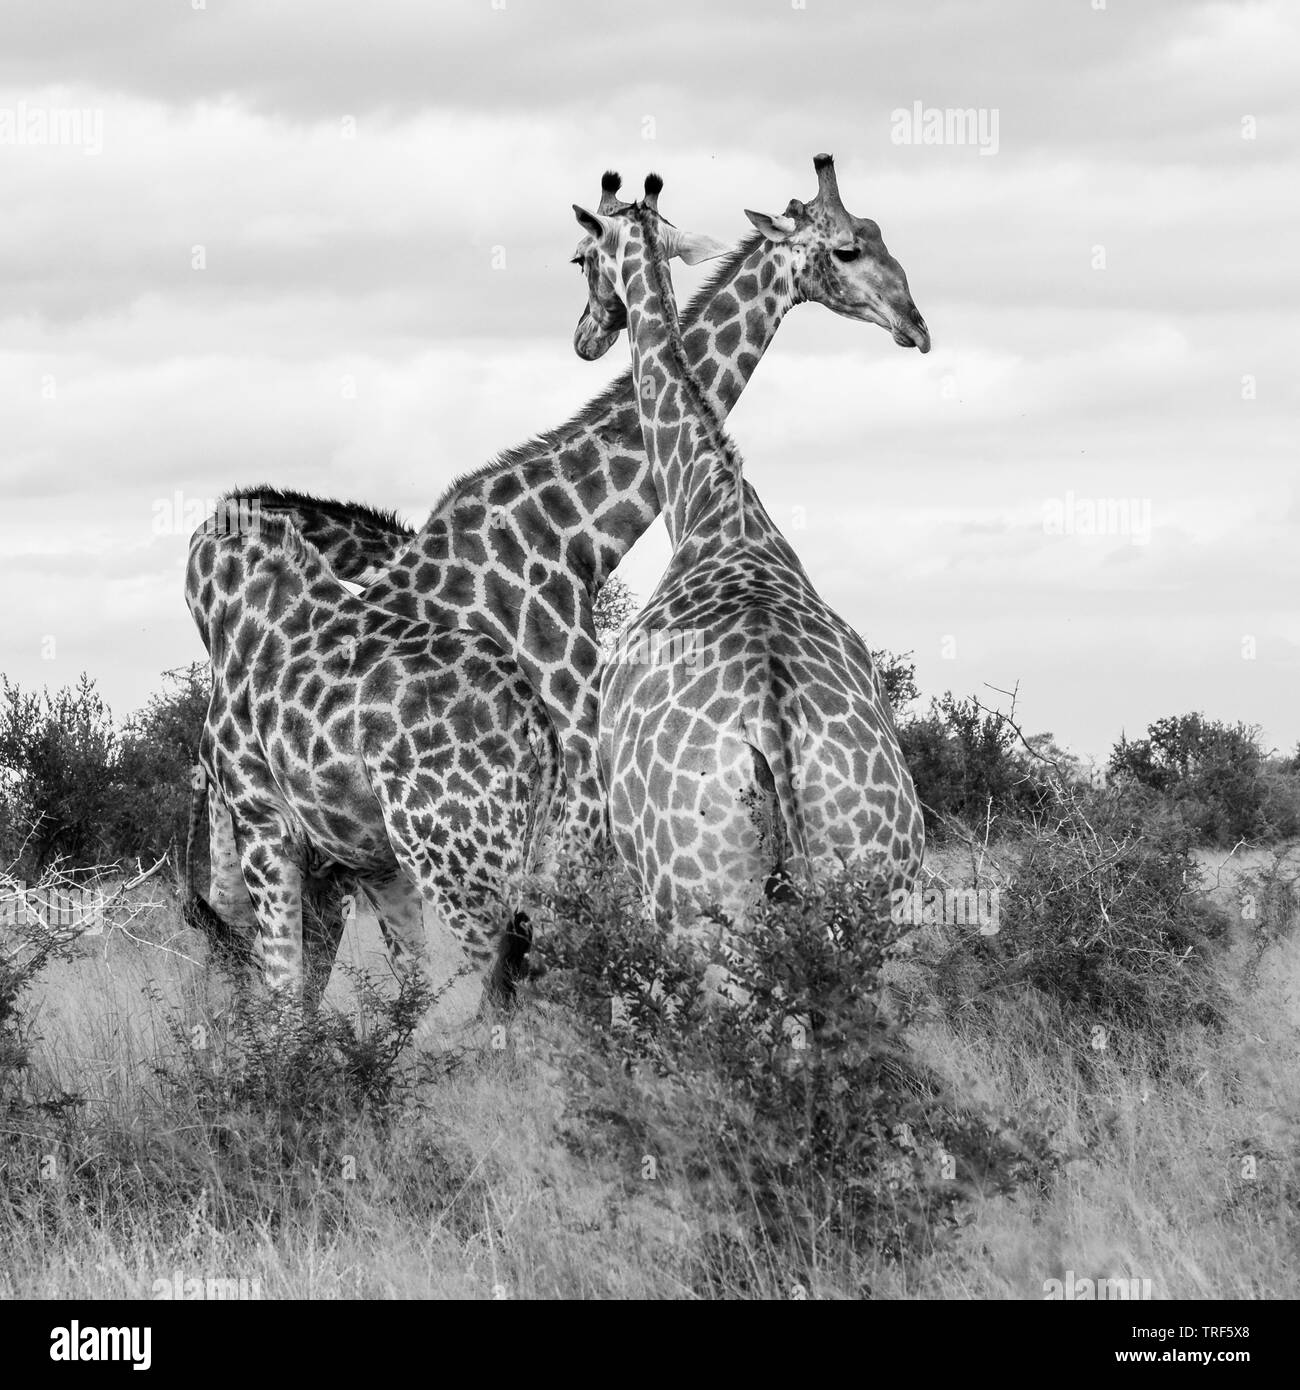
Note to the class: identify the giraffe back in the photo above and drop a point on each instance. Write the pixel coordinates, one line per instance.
(736, 686)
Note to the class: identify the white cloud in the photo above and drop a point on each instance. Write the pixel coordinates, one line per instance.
(920, 483)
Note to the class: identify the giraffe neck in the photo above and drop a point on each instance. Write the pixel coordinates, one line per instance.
(697, 470)
(518, 548)
(612, 501)
(598, 457)
(730, 322)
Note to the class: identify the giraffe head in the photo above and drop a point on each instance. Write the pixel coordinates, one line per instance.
(606, 236)
(839, 260)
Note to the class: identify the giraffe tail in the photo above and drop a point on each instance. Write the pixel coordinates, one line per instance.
(778, 735)
(546, 800)
(544, 820)
(198, 804)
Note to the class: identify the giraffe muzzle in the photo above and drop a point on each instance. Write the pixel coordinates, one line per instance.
(593, 338)
(910, 330)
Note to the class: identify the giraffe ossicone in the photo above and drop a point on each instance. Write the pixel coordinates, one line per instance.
(772, 752)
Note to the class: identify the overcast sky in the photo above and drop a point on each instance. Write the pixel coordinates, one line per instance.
(381, 193)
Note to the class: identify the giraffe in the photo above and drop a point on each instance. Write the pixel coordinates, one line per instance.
(743, 733)
(519, 547)
(342, 734)
(362, 542)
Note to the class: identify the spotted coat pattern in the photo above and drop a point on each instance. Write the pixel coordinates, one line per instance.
(340, 734)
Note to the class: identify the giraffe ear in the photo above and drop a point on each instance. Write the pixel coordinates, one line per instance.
(776, 228)
(589, 222)
(693, 247)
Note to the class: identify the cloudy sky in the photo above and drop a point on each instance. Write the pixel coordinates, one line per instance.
(324, 244)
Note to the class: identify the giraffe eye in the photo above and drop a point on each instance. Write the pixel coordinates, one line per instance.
(846, 253)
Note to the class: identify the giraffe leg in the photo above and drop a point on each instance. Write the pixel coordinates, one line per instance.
(495, 939)
(274, 882)
(400, 910)
(462, 889)
(227, 892)
(469, 907)
(464, 886)
(322, 930)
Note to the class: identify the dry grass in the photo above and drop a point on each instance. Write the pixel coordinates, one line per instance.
(494, 1181)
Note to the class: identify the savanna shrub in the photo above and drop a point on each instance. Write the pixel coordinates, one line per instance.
(967, 763)
(614, 606)
(896, 676)
(250, 1115)
(1103, 920)
(1217, 775)
(76, 788)
(801, 1099)
(56, 775)
(629, 981)
(287, 1085)
(151, 773)
(1268, 904)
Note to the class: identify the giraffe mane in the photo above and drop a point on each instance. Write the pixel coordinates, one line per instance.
(384, 518)
(619, 391)
(721, 442)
